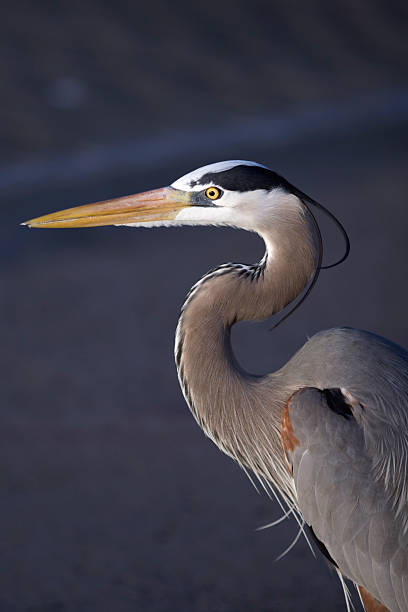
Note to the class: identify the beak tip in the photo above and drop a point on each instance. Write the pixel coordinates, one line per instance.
(155, 205)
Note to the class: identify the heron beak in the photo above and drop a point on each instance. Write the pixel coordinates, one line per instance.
(157, 205)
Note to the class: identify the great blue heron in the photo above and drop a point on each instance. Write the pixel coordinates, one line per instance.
(328, 430)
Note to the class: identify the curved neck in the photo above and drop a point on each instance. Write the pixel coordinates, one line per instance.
(233, 407)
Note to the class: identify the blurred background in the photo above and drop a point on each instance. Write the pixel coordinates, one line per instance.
(112, 498)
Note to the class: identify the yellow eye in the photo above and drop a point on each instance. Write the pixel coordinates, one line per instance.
(213, 193)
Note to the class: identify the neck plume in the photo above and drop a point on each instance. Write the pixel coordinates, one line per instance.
(233, 407)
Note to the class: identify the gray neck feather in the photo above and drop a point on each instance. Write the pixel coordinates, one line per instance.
(233, 407)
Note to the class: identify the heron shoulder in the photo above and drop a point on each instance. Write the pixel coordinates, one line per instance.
(357, 355)
(373, 372)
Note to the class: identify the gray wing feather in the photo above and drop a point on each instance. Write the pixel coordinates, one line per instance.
(398, 571)
(347, 507)
(375, 372)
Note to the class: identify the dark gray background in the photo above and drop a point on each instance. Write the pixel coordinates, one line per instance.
(112, 498)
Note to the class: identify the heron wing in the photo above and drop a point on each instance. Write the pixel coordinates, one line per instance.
(340, 499)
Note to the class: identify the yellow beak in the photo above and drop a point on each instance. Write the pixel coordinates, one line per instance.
(156, 205)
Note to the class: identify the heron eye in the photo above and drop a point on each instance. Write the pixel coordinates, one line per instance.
(213, 193)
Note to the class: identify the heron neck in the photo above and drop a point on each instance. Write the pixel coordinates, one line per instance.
(233, 407)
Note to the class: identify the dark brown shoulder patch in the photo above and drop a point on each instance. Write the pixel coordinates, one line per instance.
(288, 439)
(371, 604)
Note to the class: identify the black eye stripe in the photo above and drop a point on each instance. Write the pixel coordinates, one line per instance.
(242, 178)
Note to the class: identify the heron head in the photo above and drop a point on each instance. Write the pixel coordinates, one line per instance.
(234, 193)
